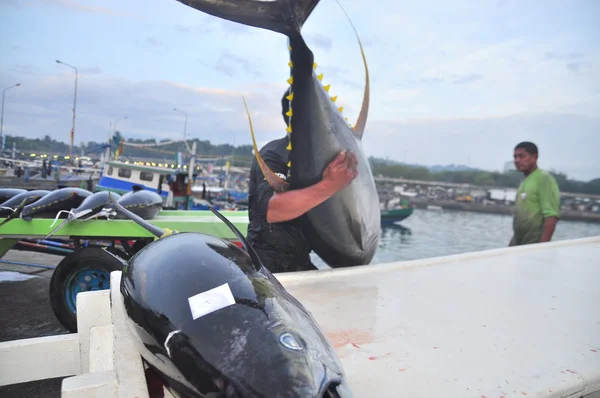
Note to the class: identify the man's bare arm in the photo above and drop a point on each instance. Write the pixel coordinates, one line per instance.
(289, 205)
(548, 229)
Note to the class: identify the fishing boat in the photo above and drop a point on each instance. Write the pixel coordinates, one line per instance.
(395, 215)
(395, 210)
(171, 182)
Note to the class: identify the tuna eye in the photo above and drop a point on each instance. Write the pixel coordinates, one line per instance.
(289, 341)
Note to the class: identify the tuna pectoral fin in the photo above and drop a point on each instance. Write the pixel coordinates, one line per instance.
(274, 181)
(276, 15)
(240, 236)
(359, 128)
(154, 230)
(15, 213)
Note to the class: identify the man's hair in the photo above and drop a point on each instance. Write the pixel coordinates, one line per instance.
(285, 106)
(529, 147)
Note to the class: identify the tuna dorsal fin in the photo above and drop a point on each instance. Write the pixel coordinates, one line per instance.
(359, 128)
(274, 181)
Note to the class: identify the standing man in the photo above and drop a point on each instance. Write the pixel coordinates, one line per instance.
(273, 230)
(537, 205)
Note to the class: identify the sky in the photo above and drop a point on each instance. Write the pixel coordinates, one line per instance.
(458, 82)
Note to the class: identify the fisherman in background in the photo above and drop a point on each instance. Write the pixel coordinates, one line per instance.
(273, 230)
(537, 205)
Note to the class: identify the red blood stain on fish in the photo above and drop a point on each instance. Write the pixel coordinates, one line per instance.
(355, 345)
(524, 393)
(592, 350)
(402, 369)
(372, 358)
(570, 371)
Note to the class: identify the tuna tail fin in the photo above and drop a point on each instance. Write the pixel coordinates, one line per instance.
(283, 16)
(359, 128)
(240, 236)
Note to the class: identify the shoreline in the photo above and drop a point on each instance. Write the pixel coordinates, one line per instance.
(565, 214)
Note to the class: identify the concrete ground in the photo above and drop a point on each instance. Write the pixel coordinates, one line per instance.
(25, 312)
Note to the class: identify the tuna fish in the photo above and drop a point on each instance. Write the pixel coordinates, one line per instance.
(7, 193)
(146, 204)
(94, 206)
(344, 230)
(212, 321)
(13, 207)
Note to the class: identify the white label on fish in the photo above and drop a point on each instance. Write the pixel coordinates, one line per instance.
(210, 301)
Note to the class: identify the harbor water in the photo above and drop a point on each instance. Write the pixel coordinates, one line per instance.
(434, 233)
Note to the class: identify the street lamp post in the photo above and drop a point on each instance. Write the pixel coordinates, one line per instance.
(184, 129)
(2, 117)
(185, 123)
(74, 106)
(118, 120)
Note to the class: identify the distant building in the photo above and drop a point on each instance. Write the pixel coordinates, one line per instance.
(509, 166)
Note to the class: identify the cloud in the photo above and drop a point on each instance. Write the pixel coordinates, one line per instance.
(470, 78)
(231, 64)
(319, 40)
(214, 114)
(567, 142)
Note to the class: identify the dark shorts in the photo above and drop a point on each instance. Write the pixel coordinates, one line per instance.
(277, 262)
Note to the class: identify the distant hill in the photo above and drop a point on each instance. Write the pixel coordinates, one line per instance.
(243, 157)
(434, 169)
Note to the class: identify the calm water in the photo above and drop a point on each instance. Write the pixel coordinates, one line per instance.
(432, 233)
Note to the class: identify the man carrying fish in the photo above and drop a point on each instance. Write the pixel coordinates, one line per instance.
(273, 230)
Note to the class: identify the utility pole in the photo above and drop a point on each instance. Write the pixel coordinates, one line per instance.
(2, 117)
(74, 106)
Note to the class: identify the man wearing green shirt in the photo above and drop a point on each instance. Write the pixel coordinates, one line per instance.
(537, 205)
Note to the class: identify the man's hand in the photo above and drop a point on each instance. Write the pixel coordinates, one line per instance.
(341, 171)
(291, 204)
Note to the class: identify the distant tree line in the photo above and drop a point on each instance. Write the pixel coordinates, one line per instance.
(242, 156)
(476, 177)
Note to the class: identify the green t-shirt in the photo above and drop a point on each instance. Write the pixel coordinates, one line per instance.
(538, 197)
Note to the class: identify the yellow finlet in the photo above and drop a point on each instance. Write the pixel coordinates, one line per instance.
(290, 97)
(327, 87)
(341, 109)
(289, 147)
(167, 232)
(289, 164)
(290, 48)
(289, 113)
(291, 64)
(334, 98)
(314, 65)
(320, 77)
(289, 128)
(290, 80)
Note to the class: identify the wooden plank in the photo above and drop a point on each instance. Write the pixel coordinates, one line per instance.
(39, 358)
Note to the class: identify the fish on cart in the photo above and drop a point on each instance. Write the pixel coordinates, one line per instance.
(13, 207)
(146, 204)
(97, 205)
(7, 193)
(211, 320)
(51, 204)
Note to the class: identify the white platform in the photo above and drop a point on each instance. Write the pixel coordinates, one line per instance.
(518, 322)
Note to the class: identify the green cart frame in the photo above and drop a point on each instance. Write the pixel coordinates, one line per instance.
(96, 242)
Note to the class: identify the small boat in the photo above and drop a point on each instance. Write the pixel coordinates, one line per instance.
(395, 210)
(397, 214)
(172, 184)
